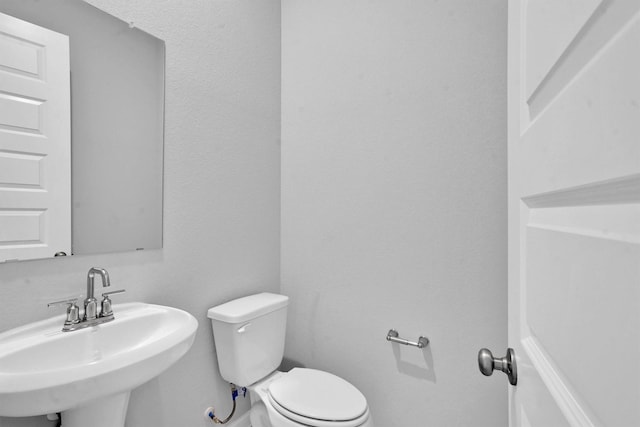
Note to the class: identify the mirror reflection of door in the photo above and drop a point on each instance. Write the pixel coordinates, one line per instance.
(35, 141)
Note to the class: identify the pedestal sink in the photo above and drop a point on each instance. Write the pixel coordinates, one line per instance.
(88, 374)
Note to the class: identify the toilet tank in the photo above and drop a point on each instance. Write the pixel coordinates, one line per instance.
(249, 336)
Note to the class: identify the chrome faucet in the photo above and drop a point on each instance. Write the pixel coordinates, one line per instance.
(91, 317)
(90, 303)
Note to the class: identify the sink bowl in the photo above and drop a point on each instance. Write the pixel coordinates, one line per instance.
(88, 374)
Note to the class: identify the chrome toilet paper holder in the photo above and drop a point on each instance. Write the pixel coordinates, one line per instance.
(393, 336)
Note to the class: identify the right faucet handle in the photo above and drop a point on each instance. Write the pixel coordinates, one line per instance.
(106, 303)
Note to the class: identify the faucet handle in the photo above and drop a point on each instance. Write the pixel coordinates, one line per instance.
(119, 291)
(73, 312)
(106, 303)
(70, 301)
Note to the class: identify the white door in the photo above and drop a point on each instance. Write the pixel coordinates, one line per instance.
(574, 212)
(35, 141)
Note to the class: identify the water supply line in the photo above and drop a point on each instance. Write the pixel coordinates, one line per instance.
(234, 394)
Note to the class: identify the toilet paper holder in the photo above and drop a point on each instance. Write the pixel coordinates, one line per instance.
(393, 336)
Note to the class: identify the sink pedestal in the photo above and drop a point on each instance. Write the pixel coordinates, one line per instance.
(108, 411)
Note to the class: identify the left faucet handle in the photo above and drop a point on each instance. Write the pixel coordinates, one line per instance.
(73, 311)
(69, 301)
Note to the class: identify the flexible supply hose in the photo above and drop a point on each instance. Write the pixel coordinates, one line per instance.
(218, 420)
(234, 395)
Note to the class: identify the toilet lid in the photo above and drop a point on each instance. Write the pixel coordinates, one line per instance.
(318, 395)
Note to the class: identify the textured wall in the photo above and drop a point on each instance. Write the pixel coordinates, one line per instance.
(394, 200)
(222, 196)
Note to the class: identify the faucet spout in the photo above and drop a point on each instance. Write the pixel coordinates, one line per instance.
(90, 303)
(90, 277)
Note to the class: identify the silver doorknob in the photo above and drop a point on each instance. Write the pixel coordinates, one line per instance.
(487, 364)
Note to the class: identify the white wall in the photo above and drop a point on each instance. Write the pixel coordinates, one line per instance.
(394, 200)
(222, 196)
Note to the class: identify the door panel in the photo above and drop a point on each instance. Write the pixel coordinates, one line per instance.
(589, 133)
(593, 38)
(574, 285)
(551, 26)
(574, 212)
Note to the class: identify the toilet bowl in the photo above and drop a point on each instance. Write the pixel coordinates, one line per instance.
(307, 397)
(249, 337)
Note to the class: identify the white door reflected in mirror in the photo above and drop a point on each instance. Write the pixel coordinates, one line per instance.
(35, 141)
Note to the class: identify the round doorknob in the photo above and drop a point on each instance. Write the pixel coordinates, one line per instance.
(487, 364)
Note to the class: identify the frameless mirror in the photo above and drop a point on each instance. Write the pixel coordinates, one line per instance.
(117, 131)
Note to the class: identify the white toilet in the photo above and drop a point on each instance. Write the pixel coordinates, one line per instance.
(249, 334)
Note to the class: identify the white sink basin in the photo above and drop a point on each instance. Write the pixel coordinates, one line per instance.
(89, 372)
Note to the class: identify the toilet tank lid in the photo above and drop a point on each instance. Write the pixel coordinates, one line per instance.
(247, 308)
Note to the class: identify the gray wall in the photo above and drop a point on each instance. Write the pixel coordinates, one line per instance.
(394, 200)
(222, 196)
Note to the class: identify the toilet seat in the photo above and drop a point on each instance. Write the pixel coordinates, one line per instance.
(317, 398)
